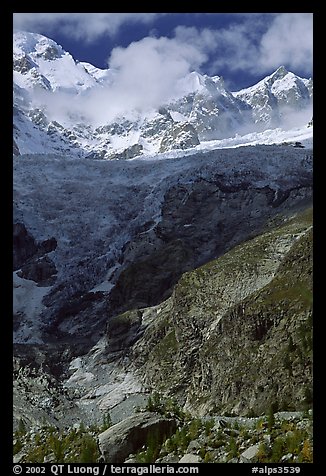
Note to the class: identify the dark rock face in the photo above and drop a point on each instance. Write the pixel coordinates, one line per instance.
(48, 245)
(131, 434)
(198, 223)
(149, 280)
(42, 271)
(32, 257)
(24, 245)
(51, 53)
(23, 64)
(122, 331)
(79, 320)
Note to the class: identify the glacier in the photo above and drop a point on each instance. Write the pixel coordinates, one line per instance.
(94, 207)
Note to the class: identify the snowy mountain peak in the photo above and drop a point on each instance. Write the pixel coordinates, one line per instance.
(195, 82)
(62, 104)
(26, 43)
(281, 76)
(40, 63)
(280, 73)
(273, 97)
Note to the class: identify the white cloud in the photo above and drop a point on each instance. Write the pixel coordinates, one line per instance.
(295, 118)
(262, 44)
(204, 39)
(148, 70)
(256, 42)
(147, 73)
(144, 76)
(85, 26)
(288, 41)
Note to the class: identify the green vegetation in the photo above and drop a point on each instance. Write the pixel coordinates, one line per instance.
(21, 427)
(89, 451)
(107, 422)
(50, 444)
(271, 417)
(295, 444)
(276, 438)
(165, 406)
(232, 448)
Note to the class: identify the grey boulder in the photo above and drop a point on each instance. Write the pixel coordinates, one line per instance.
(128, 436)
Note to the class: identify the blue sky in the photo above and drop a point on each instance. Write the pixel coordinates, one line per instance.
(241, 47)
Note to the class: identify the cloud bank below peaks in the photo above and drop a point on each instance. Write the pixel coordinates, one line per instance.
(144, 75)
(148, 73)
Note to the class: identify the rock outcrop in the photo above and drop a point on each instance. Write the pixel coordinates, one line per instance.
(41, 270)
(180, 135)
(200, 221)
(131, 434)
(250, 454)
(32, 258)
(24, 245)
(190, 458)
(128, 153)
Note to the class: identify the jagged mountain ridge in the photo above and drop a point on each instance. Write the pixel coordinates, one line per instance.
(280, 90)
(204, 109)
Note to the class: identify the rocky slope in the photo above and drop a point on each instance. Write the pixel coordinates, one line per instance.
(232, 330)
(236, 335)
